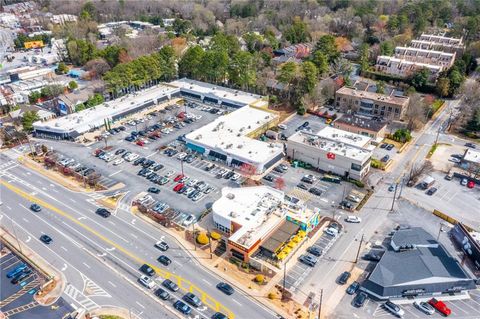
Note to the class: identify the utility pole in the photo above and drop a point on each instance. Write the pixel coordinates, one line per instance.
(394, 196)
(193, 236)
(401, 186)
(320, 304)
(359, 247)
(284, 278)
(210, 244)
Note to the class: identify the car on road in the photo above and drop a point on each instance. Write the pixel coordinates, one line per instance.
(103, 212)
(394, 308)
(432, 191)
(21, 276)
(424, 307)
(225, 288)
(192, 299)
(440, 306)
(36, 208)
(343, 278)
(315, 191)
(146, 281)
(153, 190)
(308, 260)
(360, 299)
(170, 285)
(315, 250)
(353, 219)
(147, 270)
(164, 260)
(471, 145)
(463, 182)
(219, 315)
(46, 239)
(163, 246)
(182, 307)
(162, 294)
(353, 288)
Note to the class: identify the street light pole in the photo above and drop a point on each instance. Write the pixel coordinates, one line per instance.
(359, 247)
(284, 278)
(320, 304)
(394, 196)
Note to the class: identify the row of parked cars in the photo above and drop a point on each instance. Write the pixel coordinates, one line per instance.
(19, 273)
(206, 108)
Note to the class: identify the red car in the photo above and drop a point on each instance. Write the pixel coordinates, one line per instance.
(178, 177)
(178, 187)
(440, 306)
(140, 143)
(471, 184)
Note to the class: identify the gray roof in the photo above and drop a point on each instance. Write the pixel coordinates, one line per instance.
(362, 122)
(416, 236)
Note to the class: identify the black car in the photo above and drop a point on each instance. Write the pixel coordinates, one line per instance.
(192, 299)
(219, 315)
(307, 179)
(315, 250)
(342, 280)
(471, 145)
(432, 191)
(302, 186)
(360, 299)
(103, 212)
(315, 191)
(182, 307)
(130, 138)
(385, 158)
(353, 288)
(153, 190)
(46, 239)
(372, 257)
(36, 208)
(147, 270)
(164, 260)
(226, 288)
(24, 274)
(305, 124)
(119, 151)
(157, 167)
(230, 174)
(269, 178)
(170, 285)
(390, 147)
(384, 145)
(162, 294)
(139, 161)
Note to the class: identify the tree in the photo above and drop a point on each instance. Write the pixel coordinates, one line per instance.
(97, 67)
(286, 74)
(51, 91)
(420, 78)
(297, 32)
(62, 68)
(168, 62)
(364, 57)
(387, 48)
(309, 75)
(326, 45)
(342, 67)
(381, 87)
(416, 114)
(443, 86)
(28, 118)
(242, 70)
(80, 51)
(456, 80)
(402, 135)
(253, 41)
(111, 54)
(189, 64)
(88, 11)
(321, 62)
(72, 85)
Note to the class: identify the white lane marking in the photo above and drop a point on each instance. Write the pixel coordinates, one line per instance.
(81, 217)
(139, 304)
(64, 248)
(133, 221)
(28, 239)
(24, 219)
(86, 265)
(72, 200)
(134, 236)
(112, 284)
(152, 154)
(9, 208)
(177, 263)
(207, 282)
(65, 266)
(115, 173)
(236, 302)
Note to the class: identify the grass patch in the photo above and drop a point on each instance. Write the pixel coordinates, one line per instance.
(432, 150)
(375, 163)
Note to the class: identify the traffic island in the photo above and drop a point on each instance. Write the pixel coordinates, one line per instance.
(110, 313)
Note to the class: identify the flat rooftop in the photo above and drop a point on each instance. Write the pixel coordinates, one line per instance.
(405, 62)
(472, 156)
(219, 92)
(90, 118)
(392, 99)
(257, 210)
(336, 141)
(432, 52)
(361, 122)
(229, 134)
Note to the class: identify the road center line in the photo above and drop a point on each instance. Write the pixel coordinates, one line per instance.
(86, 265)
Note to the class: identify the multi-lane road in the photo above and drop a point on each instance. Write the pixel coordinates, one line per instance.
(101, 257)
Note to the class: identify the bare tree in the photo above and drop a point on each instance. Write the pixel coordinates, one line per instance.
(97, 67)
(416, 115)
(416, 171)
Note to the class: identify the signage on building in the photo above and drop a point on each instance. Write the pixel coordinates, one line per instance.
(330, 155)
(456, 289)
(413, 292)
(33, 44)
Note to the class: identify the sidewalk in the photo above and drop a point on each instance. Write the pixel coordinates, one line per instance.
(52, 290)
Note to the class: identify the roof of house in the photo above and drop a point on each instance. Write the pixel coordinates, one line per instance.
(361, 122)
(392, 99)
(472, 156)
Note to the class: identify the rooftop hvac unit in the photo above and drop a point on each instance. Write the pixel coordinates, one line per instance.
(233, 214)
(238, 135)
(230, 196)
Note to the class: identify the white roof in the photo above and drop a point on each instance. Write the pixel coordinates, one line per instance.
(83, 121)
(257, 210)
(219, 93)
(472, 156)
(228, 134)
(336, 141)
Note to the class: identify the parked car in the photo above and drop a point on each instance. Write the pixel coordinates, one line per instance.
(394, 308)
(162, 294)
(310, 179)
(147, 270)
(170, 285)
(390, 147)
(353, 219)
(178, 187)
(308, 260)
(225, 288)
(440, 306)
(424, 307)
(17, 270)
(471, 145)
(331, 231)
(372, 256)
(189, 220)
(432, 191)
(391, 188)
(21, 276)
(219, 315)
(269, 178)
(282, 126)
(315, 191)
(146, 281)
(354, 198)
(302, 186)
(46, 239)
(36, 208)
(353, 288)
(192, 299)
(463, 182)
(315, 250)
(343, 278)
(385, 158)
(182, 307)
(178, 177)
(384, 145)
(153, 190)
(164, 260)
(163, 246)
(360, 299)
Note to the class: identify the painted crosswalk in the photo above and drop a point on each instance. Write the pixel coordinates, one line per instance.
(80, 298)
(300, 194)
(8, 165)
(90, 288)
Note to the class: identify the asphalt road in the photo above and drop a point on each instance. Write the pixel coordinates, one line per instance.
(87, 243)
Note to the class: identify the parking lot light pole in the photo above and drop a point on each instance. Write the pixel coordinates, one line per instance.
(320, 304)
(193, 235)
(284, 278)
(440, 230)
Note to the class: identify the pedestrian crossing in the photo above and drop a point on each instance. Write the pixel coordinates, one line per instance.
(124, 207)
(80, 298)
(92, 289)
(8, 165)
(301, 194)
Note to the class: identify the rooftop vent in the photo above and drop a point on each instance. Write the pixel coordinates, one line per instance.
(230, 196)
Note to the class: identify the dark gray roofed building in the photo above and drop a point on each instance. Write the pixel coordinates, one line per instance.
(416, 265)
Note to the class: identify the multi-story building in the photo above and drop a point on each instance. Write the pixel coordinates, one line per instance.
(440, 43)
(362, 125)
(368, 103)
(333, 151)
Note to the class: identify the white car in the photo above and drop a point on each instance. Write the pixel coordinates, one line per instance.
(181, 156)
(331, 231)
(235, 177)
(146, 281)
(189, 220)
(353, 219)
(109, 158)
(282, 126)
(353, 198)
(394, 308)
(454, 160)
(198, 197)
(464, 182)
(118, 161)
(424, 307)
(192, 182)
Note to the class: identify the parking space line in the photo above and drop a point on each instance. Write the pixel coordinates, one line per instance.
(451, 303)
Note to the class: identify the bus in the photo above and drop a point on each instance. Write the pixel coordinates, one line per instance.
(331, 178)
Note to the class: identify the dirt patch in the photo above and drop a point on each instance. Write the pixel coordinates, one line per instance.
(292, 308)
(440, 158)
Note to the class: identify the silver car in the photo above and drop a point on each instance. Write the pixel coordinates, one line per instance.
(424, 307)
